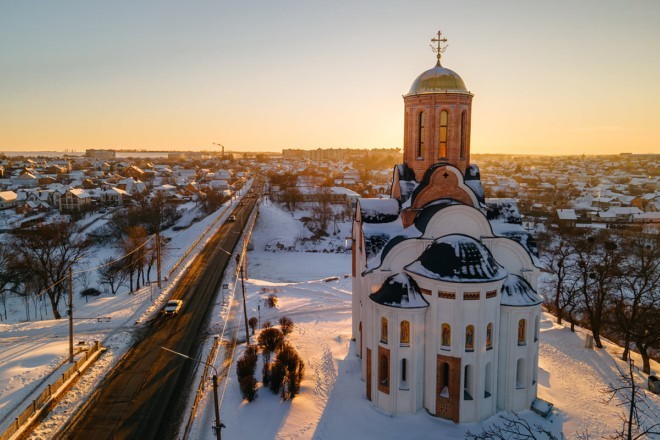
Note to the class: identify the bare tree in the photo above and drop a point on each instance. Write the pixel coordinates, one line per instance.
(47, 252)
(135, 251)
(639, 419)
(597, 269)
(557, 261)
(111, 274)
(637, 307)
(512, 426)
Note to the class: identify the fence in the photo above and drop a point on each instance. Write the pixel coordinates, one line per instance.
(48, 397)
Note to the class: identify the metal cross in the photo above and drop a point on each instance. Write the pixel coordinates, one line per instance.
(438, 50)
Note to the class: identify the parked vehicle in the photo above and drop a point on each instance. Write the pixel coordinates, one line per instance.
(231, 218)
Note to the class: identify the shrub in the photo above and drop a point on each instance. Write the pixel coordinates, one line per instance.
(247, 363)
(253, 322)
(287, 372)
(248, 385)
(245, 368)
(266, 324)
(286, 324)
(271, 301)
(265, 375)
(277, 374)
(270, 339)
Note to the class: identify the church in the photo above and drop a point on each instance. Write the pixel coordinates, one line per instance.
(445, 309)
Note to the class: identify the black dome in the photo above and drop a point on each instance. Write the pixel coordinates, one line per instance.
(457, 258)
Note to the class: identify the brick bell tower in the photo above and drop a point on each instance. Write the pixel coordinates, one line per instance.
(438, 110)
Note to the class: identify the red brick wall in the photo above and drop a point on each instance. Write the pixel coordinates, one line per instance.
(432, 105)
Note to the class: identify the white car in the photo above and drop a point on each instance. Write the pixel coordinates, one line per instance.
(172, 307)
(232, 218)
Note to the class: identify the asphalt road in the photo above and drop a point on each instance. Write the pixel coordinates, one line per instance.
(145, 396)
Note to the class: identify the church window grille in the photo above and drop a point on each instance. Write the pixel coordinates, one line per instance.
(383, 330)
(420, 134)
(522, 327)
(446, 336)
(447, 295)
(491, 294)
(405, 333)
(471, 296)
(469, 338)
(444, 121)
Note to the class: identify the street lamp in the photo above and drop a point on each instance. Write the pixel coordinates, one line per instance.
(217, 427)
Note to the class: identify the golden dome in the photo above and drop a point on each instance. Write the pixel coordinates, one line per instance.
(438, 80)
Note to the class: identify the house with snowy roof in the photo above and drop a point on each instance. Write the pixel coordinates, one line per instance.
(445, 309)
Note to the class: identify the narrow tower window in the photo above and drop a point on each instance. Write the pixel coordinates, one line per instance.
(489, 336)
(444, 120)
(463, 133)
(420, 134)
(522, 328)
(468, 382)
(488, 389)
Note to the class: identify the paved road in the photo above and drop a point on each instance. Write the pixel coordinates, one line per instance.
(145, 396)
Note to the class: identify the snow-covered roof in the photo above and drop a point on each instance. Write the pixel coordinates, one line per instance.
(566, 214)
(517, 292)
(457, 258)
(399, 290)
(378, 210)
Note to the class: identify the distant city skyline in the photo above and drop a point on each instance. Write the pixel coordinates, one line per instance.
(551, 78)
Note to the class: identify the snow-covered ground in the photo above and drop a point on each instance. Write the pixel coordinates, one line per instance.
(32, 352)
(332, 401)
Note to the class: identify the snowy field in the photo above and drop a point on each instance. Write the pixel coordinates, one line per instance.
(332, 402)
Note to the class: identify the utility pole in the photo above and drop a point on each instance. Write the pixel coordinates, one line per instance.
(70, 314)
(247, 334)
(218, 425)
(158, 263)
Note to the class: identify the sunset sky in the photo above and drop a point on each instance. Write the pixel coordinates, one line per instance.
(549, 77)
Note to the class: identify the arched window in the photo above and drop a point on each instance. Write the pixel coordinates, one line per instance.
(536, 328)
(468, 382)
(403, 370)
(446, 335)
(488, 390)
(383, 373)
(444, 121)
(443, 380)
(489, 336)
(469, 338)
(520, 374)
(463, 134)
(405, 333)
(535, 370)
(383, 330)
(420, 134)
(522, 327)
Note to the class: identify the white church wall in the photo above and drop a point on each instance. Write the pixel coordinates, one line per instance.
(517, 361)
(458, 219)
